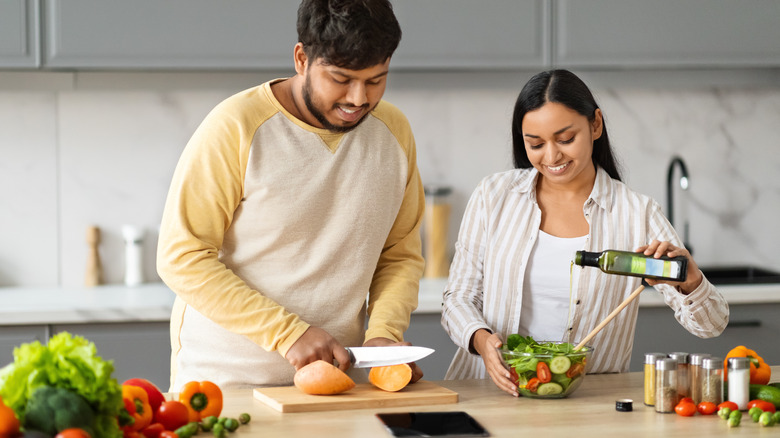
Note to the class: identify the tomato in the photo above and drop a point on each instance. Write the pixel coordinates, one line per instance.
(728, 404)
(73, 432)
(543, 372)
(533, 384)
(155, 395)
(513, 375)
(168, 434)
(762, 404)
(575, 370)
(172, 415)
(686, 400)
(153, 430)
(706, 408)
(685, 408)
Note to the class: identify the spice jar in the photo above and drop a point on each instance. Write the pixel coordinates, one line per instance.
(650, 360)
(436, 226)
(712, 380)
(683, 381)
(739, 381)
(695, 375)
(665, 385)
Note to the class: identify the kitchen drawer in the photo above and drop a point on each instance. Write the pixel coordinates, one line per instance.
(13, 336)
(138, 349)
(752, 325)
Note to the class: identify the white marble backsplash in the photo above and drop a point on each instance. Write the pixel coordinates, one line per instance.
(100, 148)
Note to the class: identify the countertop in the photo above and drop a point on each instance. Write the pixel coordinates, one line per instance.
(153, 302)
(590, 411)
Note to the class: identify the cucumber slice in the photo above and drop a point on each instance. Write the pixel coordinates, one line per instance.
(560, 364)
(550, 388)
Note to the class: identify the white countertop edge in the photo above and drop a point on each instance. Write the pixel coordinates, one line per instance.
(431, 290)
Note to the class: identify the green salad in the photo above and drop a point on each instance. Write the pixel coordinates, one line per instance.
(547, 369)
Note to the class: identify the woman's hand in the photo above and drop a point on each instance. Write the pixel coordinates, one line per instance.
(486, 344)
(658, 249)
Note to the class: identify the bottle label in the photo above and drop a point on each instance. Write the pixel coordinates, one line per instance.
(656, 267)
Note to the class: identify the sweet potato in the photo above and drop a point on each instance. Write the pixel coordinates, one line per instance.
(391, 378)
(322, 378)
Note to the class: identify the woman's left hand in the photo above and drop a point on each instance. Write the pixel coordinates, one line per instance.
(657, 249)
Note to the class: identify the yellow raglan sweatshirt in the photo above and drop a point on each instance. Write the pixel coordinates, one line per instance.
(272, 225)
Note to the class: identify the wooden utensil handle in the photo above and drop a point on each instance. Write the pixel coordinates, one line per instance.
(617, 310)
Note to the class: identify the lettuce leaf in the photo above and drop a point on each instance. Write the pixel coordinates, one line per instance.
(69, 362)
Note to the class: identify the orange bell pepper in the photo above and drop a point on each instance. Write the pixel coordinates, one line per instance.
(759, 370)
(137, 413)
(9, 424)
(202, 399)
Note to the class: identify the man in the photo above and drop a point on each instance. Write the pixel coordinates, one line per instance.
(292, 202)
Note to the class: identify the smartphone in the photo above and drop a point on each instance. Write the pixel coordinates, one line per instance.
(442, 424)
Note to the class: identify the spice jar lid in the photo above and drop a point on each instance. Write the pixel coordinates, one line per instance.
(624, 405)
(739, 363)
(652, 358)
(666, 364)
(712, 363)
(681, 357)
(697, 358)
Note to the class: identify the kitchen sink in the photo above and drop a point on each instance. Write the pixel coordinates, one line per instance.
(739, 275)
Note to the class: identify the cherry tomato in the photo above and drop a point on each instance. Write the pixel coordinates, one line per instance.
(172, 415)
(685, 408)
(707, 408)
(763, 405)
(168, 434)
(543, 372)
(513, 375)
(153, 430)
(728, 404)
(73, 432)
(533, 384)
(686, 400)
(575, 370)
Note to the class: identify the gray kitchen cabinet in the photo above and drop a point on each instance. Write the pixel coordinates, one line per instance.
(666, 33)
(138, 349)
(12, 336)
(472, 35)
(174, 34)
(19, 34)
(752, 325)
(425, 330)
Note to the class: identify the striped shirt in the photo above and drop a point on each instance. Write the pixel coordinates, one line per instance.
(498, 231)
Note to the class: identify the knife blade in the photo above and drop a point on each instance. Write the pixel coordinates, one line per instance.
(367, 357)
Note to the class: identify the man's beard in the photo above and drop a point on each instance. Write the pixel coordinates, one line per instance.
(307, 99)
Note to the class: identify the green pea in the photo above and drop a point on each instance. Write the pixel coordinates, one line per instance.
(219, 431)
(208, 422)
(734, 421)
(724, 413)
(231, 424)
(244, 418)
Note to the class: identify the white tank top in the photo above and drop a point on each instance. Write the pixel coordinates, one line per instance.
(546, 287)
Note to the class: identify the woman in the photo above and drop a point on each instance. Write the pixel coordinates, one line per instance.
(513, 271)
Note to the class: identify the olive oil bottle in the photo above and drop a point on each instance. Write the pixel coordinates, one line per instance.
(635, 264)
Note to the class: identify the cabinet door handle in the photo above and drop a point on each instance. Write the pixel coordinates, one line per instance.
(746, 323)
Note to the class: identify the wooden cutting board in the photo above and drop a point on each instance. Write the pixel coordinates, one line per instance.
(362, 396)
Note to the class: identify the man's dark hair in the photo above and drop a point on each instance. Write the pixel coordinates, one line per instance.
(352, 34)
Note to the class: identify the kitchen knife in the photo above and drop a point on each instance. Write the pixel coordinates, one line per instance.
(367, 357)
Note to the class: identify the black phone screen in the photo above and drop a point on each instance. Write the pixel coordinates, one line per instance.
(443, 424)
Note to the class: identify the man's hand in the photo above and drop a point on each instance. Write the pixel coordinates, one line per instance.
(317, 344)
(383, 342)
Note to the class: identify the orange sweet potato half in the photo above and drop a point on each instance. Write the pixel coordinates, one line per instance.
(391, 378)
(322, 378)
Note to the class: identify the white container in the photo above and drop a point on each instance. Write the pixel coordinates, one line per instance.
(739, 381)
(134, 239)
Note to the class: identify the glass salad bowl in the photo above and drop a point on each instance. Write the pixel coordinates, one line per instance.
(544, 369)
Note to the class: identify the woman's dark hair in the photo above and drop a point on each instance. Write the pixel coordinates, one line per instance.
(352, 34)
(564, 87)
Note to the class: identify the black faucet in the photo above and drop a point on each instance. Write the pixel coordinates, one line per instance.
(683, 181)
